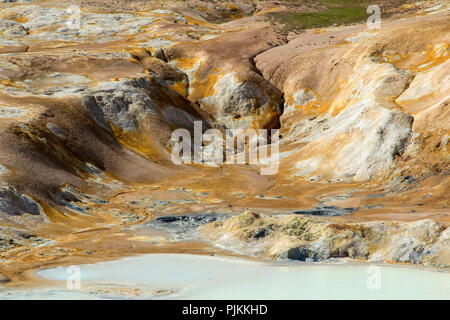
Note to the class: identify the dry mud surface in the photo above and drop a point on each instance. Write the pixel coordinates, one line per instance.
(86, 116)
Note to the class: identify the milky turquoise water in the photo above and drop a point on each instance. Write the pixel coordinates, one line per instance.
(211, 277)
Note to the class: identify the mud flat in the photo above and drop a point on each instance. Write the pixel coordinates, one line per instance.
(186, 276)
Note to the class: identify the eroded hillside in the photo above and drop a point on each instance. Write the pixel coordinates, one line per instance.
(87, 112)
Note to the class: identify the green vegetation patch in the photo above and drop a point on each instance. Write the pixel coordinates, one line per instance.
(302, 227)
(247, 218)
(306, 20)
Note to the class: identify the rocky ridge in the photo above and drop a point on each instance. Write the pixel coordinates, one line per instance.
(314, 239)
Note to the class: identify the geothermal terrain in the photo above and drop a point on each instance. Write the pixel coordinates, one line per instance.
(87, 109)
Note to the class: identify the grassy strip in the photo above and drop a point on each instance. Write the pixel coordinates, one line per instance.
(293, 21)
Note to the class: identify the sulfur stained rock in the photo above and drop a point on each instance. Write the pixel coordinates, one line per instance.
(361, 140)
(318, 239)
(354, 108)
(407, 250)
(12, 28)
(126, 104)
(243, 103)
(224, 81)
(374, 137)
(121, 104)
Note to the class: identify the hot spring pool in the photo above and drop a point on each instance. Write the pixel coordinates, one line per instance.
(212, 277)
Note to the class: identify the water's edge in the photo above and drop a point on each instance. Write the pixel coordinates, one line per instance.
(188, 276)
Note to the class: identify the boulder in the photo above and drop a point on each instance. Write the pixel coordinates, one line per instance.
(16, 203)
